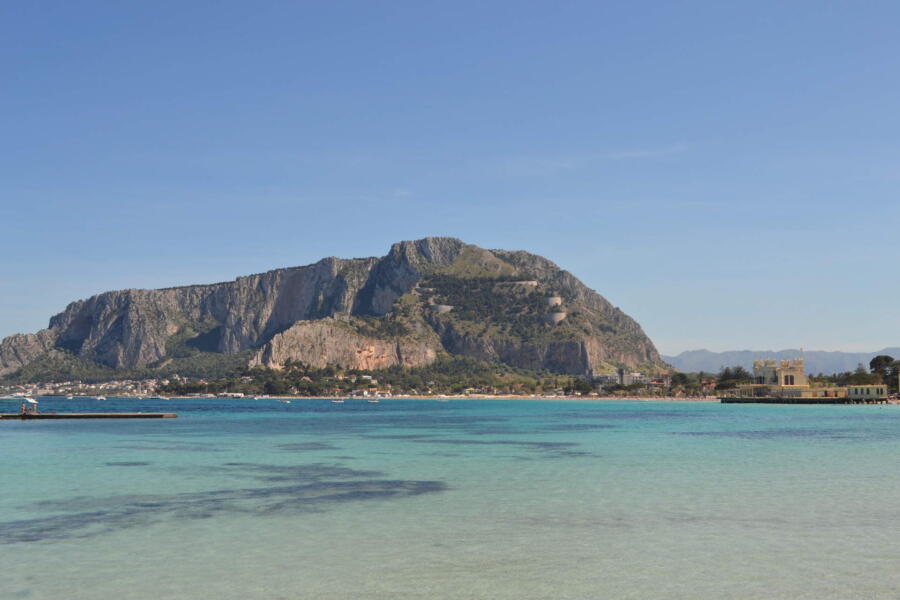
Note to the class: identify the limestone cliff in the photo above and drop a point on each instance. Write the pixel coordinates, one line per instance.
(18, 350)
(439, 294)
(334, 342)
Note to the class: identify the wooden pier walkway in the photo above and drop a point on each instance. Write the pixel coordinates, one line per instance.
(107, 415)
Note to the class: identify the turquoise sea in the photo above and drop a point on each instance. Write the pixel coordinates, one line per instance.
(246, 499)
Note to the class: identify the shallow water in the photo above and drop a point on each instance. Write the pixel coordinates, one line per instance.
(460, 499)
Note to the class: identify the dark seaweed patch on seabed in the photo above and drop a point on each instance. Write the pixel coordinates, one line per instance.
(402, 436)
(312, 488)
(430, 420)
(306, 446)
(562, 427)
(520, 443)
(629, 415)
(774, 434)
(554, 449)
(348, 423)
(171, 446)
(317, 472)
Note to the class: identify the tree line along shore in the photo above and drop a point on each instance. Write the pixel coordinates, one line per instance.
(449, 376)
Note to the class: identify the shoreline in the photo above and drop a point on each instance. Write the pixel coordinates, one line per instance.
(645, 399)
(444, 397)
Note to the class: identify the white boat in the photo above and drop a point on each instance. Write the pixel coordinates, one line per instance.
(374, 401)
(337, 401)
(100, 398)
(70, 397)
(285, 401)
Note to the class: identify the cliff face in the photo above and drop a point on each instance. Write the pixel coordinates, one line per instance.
(333, 342)
(18, 350)
(302, 313)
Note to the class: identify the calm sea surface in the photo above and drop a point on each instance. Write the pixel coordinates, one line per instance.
(241, 499)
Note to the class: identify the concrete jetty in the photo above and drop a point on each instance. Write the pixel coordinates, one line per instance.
(107, 415)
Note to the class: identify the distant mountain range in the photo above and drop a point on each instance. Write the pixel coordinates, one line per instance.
(817, 361)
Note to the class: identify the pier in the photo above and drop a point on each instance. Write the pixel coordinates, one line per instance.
(106, 415)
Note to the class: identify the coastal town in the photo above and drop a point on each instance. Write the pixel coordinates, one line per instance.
(771, 381)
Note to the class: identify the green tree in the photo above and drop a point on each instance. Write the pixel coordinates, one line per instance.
(680, 379)
(881, 365)
(731, 377)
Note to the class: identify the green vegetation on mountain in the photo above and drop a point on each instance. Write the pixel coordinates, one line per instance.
(62, 365)
(504, 307)
(386, 327)
(448, 374)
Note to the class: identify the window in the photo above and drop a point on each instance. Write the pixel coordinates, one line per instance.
(788, 380)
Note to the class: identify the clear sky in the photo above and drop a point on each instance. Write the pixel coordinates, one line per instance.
(725, 172)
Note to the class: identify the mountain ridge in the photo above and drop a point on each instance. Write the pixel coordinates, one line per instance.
(340, 308)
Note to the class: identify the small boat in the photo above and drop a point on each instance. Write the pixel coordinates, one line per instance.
(285, 401)
(100, 398)
(70, 397)
(374, 401)
(337, 401)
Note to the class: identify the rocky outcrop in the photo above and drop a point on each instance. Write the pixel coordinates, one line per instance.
(301, 313)
(18, 350)
(334, 342)
(579, 355)
(566, 356)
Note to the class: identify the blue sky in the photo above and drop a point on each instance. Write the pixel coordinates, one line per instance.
(726, 173)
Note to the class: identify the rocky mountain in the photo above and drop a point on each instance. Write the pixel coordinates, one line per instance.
(426, 297)
(816, 361)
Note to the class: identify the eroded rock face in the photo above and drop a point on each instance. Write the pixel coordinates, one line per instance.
(332, 342)
(18, 350)
(296, 314)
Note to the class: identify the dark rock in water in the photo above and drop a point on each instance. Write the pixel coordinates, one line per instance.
(365, 313)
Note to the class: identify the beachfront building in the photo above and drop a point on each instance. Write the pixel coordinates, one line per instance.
(786, 382)
(867, 392)
(785, 373)
(784, 379)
